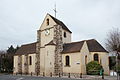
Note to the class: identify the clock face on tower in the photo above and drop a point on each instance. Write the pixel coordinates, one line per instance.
(47, 32)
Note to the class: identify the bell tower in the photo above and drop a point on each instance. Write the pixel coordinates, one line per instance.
(50, 41)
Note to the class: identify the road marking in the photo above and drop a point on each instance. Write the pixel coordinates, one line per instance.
(19, 79)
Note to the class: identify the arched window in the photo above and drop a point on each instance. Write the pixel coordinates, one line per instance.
(67, 60)
(96, 58)
(86, 59)
(47, 22)
(64, 34)
(30, 60)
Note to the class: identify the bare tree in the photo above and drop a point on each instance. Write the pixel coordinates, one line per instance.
(2, 52)
(113, 40)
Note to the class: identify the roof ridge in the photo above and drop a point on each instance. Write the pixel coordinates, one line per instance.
(91, 39)
(79, 41)
(74, 42)
(29, 44)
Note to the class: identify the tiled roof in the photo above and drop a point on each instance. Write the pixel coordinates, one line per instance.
(27, 49)
(93, 46)
(60, 23)
(72, 47)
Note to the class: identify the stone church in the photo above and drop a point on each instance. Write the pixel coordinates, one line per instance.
(53, 52)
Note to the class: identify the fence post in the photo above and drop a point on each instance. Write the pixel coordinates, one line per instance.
(68, 75)
(80, 75)
(31, 73)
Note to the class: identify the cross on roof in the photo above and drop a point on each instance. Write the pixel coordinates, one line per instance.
(55, 10)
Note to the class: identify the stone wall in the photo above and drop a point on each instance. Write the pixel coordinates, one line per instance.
(58, 49)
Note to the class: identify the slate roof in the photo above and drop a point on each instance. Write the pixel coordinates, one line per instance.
(27, 49)
(93, 46)
(60, 23)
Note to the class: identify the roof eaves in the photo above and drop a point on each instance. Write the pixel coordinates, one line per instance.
(69, 52)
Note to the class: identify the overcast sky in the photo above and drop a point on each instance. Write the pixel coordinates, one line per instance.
(87, 19)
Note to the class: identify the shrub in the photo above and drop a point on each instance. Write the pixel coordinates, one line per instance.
(112, 62)
(93, 68)
(116, 67)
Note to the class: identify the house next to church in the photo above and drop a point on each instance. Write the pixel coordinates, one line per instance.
(53, 52)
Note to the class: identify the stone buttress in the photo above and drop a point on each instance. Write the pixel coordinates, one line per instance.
(37, 64)
(58, 49)
(26, 68)
(19, 64)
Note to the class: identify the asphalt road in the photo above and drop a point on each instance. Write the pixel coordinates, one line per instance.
(18, 77)
(24, 77)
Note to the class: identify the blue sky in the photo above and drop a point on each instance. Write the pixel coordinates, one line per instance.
(87, 19)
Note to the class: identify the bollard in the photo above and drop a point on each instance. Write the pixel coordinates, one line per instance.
(25, 73)
(68, 75)
(59, 75)
(37, 73)
(80, 75)
(43, 74)
(103, 76)
(31, 73)
(21, 73)
(51, 74)
(62, 74)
